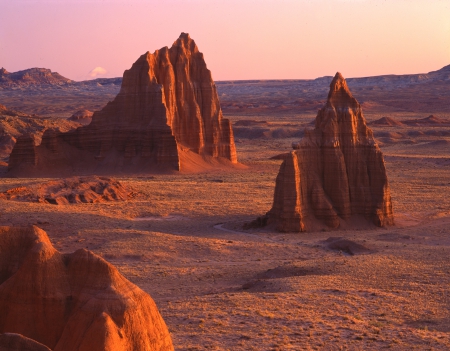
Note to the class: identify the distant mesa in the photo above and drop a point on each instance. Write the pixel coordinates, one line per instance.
(336, 176)
(71, 302)
(167, 117)
(31, 77)
(430, 120)
(82, 116)
(386, 121)
(72, 190)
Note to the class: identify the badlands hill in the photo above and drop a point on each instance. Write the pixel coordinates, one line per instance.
(74, 302)
(14, 124)
(336, 173)
(166, 117)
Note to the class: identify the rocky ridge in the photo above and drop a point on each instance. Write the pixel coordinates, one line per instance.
(31, 77)
(336, 174)
(72, 302)
(167, 107)
(14, 124)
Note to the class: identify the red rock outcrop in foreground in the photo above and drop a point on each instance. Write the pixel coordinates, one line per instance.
(72, 302)
(336, 175)
(168, 105)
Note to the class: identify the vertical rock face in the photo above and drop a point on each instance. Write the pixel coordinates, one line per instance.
(336, 173)
(71, 302)
(167, 103)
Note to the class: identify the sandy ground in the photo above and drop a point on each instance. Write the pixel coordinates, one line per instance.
(219, 287)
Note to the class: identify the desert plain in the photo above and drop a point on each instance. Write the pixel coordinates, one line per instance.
(180, 237)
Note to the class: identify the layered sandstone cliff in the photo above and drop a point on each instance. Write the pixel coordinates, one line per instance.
(167, 105)
(70, 302)
(336, 174)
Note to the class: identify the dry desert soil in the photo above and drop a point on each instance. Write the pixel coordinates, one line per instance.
(220, 287)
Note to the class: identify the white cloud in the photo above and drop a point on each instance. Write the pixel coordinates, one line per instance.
(97, 71)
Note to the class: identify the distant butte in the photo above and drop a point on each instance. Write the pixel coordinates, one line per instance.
(166, 117)
(336, 177)
(31, 77)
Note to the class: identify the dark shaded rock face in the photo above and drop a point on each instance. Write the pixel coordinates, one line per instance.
(70, 302)
(17, 342)
(336, 173)
(167, 103)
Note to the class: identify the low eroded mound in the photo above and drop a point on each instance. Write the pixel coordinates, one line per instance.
(71, 302)
(386, 121)
(82, 116)
(70, 191)
(348, 246)
(430, 120)
(14, 124)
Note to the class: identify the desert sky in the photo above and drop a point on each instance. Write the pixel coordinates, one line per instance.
(241, 39)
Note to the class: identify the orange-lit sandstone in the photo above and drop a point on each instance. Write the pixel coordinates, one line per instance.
(336, 173)
(167, 108)
(75, 301)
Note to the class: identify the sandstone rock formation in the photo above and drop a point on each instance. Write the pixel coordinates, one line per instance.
(337, 173)
(167, 106)
(70, 302)
(82, 116)
(14, 124)
(17, 342)
(72, 190)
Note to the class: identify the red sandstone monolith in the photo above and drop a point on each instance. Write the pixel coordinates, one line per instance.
(336, 175)
(167, 106)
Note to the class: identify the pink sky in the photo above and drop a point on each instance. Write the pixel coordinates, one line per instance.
(245, 39)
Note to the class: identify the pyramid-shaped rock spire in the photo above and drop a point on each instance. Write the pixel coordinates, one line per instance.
(167, 106)
(336, 174)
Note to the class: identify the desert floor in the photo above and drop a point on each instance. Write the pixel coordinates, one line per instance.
(220, 287)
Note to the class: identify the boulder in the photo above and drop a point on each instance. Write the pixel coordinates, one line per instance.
(335, 174)
(74, 301)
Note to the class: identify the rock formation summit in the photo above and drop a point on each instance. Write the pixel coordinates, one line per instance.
(166, 115)
(336, 175)
(71, 302)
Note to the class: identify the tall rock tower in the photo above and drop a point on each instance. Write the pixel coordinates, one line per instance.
(337, 172)
(168, 104)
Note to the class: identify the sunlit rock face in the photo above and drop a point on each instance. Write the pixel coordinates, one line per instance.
(336, 173)
(72, 301)
(167, 103)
